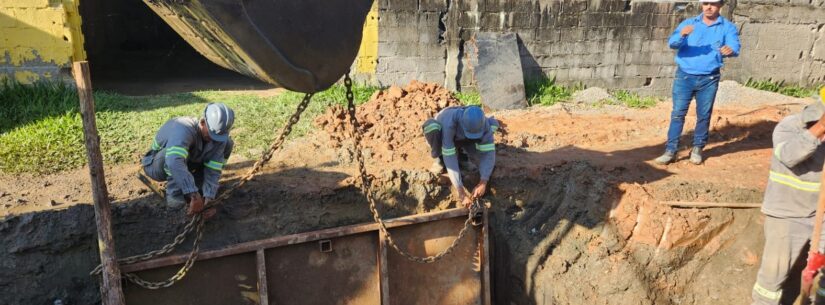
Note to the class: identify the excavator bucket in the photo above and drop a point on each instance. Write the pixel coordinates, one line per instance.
(301, 45)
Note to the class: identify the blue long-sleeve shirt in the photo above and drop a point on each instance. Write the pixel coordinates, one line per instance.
(698, 53)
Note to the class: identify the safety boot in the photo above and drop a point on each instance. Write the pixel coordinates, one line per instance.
(665, 158)
(437, 167)
(696, 155)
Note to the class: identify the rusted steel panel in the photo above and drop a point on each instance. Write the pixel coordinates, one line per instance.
(303, 274)
(453, 280)
(228, 280)
(346, 265)
(296, 239)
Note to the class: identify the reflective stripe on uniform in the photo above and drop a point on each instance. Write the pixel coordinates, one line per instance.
(794, 182)
(486, 147)
(493, 128)
(168, 172)
(448, 151)
(155, 145)
(820, 291)
(778, 150)
(432, 127)
(214, 165)
(768, 294)
(177, 150)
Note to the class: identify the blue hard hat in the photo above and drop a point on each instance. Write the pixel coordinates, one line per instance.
(472, 122)
(219, 119)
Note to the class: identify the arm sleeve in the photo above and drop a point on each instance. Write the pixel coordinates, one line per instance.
(792, 144)
(177, 152)
(676, 39)
(487, 149)
(450, 156)
(732, 40)
(213, 166)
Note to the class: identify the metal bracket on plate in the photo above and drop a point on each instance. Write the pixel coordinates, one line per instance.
(325, 245)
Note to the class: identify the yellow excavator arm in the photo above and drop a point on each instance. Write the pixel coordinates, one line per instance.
(301, 45)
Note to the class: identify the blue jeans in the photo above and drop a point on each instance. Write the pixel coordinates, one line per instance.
(685, 88)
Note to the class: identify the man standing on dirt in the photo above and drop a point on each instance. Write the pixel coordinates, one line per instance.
(462, 129)
(790, 197)
(189, 154)
(701, 43)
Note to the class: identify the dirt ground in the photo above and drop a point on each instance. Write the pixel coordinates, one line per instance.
(576, 210)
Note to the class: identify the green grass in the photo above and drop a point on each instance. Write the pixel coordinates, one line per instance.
(41, 129)
(633, 100)
(781, 88)
(546, 92)
(468, 98)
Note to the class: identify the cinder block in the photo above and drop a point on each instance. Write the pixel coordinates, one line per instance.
(403, 5)
(528, 34)
(613, 20)
(432, 5)
(567, 20)
(548, 35)
(604, 72)
(492, 21)
(547, 20)
(572, 35)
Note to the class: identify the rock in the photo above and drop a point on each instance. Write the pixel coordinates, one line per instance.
(52, 202)
(591, 96)
(395, 92)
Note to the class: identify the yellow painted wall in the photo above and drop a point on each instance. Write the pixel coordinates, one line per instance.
(38, 38)
(368, 53)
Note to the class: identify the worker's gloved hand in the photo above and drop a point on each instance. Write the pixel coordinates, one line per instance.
(463, 198)
(196, 204)
(480, 189)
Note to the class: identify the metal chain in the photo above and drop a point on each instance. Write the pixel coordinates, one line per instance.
(474, 208)
(198, 219)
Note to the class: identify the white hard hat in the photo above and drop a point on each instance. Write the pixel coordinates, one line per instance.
(219, 119)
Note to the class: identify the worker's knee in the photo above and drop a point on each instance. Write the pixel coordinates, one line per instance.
(763, 295)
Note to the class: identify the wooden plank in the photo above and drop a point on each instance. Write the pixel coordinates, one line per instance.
(485, 260)
(383, 272)
(734, 205)
(111, 291)
(296, 239)
(262, 285)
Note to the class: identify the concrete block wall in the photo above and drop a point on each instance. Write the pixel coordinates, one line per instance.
(39, 39)
(607, 43)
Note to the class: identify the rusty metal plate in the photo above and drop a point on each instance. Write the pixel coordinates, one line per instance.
(454, 280)
(342, 271)
(226, 280)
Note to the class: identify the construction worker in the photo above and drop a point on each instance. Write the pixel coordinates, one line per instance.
(791, 197)
(701, 43)
(189, 154)
(458, 130)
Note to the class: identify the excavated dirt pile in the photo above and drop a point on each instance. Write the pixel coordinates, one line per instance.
(391, 121)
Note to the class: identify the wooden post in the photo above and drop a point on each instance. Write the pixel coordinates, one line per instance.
(263, 286)
(110, 291)
(383, 269)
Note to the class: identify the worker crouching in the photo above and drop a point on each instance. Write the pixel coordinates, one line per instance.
(458, 130)
(189, 154)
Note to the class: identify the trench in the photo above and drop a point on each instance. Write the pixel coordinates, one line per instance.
(563, 226)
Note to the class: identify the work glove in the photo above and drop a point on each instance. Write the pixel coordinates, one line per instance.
(196, 204)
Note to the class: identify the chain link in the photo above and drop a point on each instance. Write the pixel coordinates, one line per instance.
(474, 208)
(198, 218)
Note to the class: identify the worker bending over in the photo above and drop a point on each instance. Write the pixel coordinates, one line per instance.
(458, 130)
(790, 197)
(189, 154)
